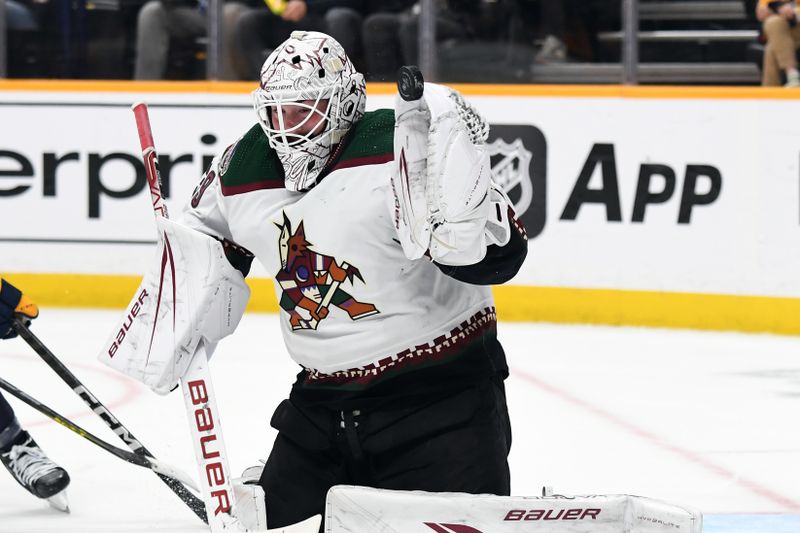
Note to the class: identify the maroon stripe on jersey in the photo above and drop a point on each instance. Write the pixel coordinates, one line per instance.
(512, 216)
(231, 190)
(442, 348)
(363, 161)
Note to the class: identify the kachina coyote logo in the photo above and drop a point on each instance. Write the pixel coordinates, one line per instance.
(312, 282)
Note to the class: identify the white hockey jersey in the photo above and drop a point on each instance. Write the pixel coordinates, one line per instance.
(352, 305)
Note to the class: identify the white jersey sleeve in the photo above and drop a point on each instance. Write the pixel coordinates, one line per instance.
(206, 212)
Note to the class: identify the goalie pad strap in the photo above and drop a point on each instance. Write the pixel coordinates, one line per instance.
(251, 507)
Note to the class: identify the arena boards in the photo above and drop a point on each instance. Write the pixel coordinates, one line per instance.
(657, 206)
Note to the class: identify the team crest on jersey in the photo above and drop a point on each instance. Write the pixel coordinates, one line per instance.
(225, 162)
(312, 283)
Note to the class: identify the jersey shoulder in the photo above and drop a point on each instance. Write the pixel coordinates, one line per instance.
(372, 140)
(250, 164)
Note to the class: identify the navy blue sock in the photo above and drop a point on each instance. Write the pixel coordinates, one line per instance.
(9, 426)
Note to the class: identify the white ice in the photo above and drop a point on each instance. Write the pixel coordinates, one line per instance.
(708, 420)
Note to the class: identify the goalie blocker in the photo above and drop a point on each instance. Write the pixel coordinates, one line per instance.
(358, 508)
(191, 293)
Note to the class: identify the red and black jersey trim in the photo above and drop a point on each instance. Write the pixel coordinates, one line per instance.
(442, 349)
(377, 159)
(250, 165)
(231, 190)
(515, 223)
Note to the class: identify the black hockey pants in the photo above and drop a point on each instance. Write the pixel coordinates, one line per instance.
(459, 443)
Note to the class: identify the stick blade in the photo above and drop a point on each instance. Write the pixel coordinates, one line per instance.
(173, 472)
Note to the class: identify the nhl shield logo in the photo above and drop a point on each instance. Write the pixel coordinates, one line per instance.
(519, 165)
(512, 170)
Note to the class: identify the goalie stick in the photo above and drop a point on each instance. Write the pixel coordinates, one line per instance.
(133, 458)
(198, 392)
(196, 385)
(192, 501)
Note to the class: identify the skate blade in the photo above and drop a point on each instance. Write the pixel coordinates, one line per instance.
(59, 501)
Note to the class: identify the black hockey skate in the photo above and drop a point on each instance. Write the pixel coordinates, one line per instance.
(36, 472)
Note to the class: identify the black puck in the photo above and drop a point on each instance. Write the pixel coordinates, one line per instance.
(410, 83)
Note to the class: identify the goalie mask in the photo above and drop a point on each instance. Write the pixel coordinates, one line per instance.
(308, 76)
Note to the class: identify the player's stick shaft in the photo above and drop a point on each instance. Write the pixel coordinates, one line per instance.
(193, 502)
(133, 458)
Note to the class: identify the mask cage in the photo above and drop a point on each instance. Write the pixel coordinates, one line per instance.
(269, 107)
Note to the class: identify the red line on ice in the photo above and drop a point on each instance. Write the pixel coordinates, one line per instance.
(690, 456)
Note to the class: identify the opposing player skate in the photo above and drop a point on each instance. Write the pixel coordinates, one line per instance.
(36, 472)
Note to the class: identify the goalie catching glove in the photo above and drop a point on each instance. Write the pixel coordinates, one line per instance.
(444, 202)
(191, 295)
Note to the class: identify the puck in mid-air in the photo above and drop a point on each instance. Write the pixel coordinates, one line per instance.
(410, 83)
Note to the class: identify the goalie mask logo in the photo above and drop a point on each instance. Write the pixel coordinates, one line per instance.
(312, 282)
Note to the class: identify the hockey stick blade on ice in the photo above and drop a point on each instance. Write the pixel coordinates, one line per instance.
(133, 458)
(193, 502)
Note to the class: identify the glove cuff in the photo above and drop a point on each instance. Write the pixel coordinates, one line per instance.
(10, 297)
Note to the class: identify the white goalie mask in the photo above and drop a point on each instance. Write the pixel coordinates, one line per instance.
(312, 72)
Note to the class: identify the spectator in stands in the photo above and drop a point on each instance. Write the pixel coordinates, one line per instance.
(390, 31)
(782, 33)
(261, 29)
(547, 19)
(569, 28)
(344, 23)
(19, 17)
(161, 22)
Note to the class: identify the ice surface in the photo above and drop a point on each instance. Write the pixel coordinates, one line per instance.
(703, 419)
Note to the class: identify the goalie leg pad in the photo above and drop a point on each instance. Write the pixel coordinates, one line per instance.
(251, 507)
(369, 510)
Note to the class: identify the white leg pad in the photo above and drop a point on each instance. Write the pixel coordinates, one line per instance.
(251, 508)
(366, 510)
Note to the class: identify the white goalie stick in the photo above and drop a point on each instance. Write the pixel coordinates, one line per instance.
(196, 385)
